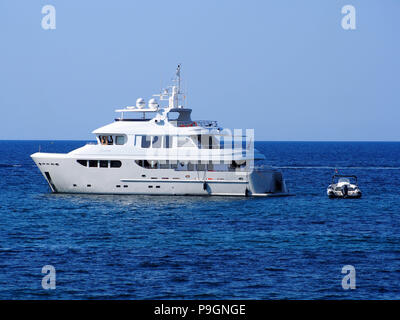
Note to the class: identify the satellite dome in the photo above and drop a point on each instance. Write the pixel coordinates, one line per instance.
(153, 103)
(140, 103)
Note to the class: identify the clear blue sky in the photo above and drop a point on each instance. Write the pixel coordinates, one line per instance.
(285, 68)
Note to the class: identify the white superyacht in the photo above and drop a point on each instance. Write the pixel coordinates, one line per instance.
(160, 150)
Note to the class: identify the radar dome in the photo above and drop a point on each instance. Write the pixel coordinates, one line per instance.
(140, 103)
(153, 103)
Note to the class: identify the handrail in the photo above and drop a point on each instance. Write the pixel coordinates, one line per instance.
(207, 123)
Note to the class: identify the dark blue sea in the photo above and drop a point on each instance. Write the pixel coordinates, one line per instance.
(159, 247)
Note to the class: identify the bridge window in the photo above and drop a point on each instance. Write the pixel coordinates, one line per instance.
(106, 140)
(119, 140)
(111, 140)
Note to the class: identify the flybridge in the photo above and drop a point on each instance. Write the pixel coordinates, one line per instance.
(173, 113)
(171, 94)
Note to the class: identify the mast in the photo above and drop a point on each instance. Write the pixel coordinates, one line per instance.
(178, 76)
(176, 89)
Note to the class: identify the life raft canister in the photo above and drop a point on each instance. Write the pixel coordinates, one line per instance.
(192, 124)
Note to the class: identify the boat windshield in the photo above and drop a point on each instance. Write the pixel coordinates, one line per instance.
(344, 180)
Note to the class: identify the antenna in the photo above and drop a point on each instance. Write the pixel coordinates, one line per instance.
(178, 76)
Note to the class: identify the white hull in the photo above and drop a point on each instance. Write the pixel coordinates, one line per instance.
(65, 175)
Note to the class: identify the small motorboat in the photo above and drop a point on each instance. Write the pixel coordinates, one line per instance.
(343, 188)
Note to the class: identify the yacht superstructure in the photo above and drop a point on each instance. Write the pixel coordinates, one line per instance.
(160, 150)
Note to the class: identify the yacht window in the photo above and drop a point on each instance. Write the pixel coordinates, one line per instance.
(137, 141)
(164, 164)
(119, 140)
(173, 115)
(236, 165)
(139, 163)
(115, 164)
(156, 142)
(82, 162)
(103, 140)
(197, 140)
(185, 142)
(92, 163)
(103, 164)
(207, 142)
(168, 142)
(106, 140)
(153, 164)
(146, 164)
(145, 142)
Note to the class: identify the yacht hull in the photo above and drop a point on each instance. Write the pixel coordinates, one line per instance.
(65, 175)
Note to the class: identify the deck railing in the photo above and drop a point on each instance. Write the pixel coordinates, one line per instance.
(207, 123)
(196, 123)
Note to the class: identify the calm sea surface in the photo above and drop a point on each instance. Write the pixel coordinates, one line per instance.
(160, 247)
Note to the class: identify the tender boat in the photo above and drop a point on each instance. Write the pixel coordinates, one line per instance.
(343, 188)
(160, 150)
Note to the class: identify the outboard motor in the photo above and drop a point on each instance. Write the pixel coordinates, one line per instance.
(345, 190)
